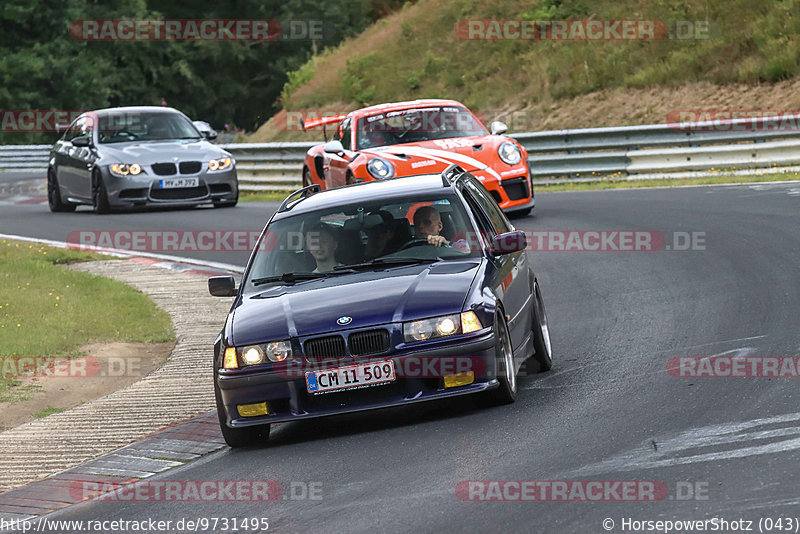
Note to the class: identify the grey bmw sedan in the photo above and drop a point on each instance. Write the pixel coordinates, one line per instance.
(137, 156)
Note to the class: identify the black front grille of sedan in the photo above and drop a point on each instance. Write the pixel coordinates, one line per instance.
(190, 167)
(164, 169)
(365, 343)
(369, 342)
(325, 347)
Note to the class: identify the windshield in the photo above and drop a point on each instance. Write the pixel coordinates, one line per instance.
(123, 127)
(363, 236)
(414, 125)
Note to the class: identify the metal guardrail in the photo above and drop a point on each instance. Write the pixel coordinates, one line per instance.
(628, 152)
(269, 166)
(24, 157)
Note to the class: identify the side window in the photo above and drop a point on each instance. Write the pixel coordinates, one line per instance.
(72, 132)
(487, 204)
(346, 134)
(83, 125)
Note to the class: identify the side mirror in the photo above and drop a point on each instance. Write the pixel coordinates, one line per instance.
(333, 147)
(84, 140)
(509, 242)
(222, 286)
(205, 130)
(498, 128)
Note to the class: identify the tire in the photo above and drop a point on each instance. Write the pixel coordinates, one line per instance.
(239, 437)
(307, 180)
(543, 357)
(99, 195)
(54, 195)
(506, 393)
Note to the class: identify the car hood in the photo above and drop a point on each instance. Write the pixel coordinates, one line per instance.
(369, 298)
(159, 151)
(473, 154)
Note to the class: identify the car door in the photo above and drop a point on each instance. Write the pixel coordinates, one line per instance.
(74, 171)
(335, 165)
(513, 270)
(61, 154)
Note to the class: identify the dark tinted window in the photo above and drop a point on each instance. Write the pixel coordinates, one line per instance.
(124, 126)
(439, 124)
(82, 126)
(488, 206)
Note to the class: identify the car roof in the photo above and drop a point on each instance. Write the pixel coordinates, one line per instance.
(410, 104)
(369, 191)
(136, 109)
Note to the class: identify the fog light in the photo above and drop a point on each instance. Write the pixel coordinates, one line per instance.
(460, 379)
(253, 410)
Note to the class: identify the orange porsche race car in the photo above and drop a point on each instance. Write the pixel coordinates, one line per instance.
(420, 137)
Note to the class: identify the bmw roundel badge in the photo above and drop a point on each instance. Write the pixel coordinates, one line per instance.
(344, 320)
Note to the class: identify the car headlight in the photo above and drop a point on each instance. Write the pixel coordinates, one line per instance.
(275, 351)
(124, 169)
(509, 152)
(219, 164)
(446, 325)
(380, 168)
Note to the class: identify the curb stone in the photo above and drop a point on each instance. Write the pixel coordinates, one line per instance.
(121, 437)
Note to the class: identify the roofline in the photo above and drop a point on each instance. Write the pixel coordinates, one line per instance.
(450, 179)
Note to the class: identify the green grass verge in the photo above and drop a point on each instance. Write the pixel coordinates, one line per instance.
(44, 412)
(267, 196)
(47, 310)
(670, 182)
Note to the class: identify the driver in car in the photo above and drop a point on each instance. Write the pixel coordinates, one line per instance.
(428, 224)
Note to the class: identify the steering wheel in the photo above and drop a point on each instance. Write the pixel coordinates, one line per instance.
(117, 133)
(414, 243)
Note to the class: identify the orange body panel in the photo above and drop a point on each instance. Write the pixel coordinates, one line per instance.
(510, 185)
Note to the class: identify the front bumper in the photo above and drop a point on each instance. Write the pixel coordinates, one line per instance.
(288, 399)
(512, 193)
(221, 186)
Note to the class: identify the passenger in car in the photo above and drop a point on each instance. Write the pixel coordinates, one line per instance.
(321, 243)
(381, 237)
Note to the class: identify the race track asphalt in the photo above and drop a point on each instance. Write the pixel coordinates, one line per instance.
(608, 410)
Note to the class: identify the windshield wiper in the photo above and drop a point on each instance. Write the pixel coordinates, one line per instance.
(385, 262)
(288, 278)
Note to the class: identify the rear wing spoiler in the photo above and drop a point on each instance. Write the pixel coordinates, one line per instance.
(320, 121)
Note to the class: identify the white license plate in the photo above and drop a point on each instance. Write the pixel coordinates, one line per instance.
(174, 183)
(350, 377)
